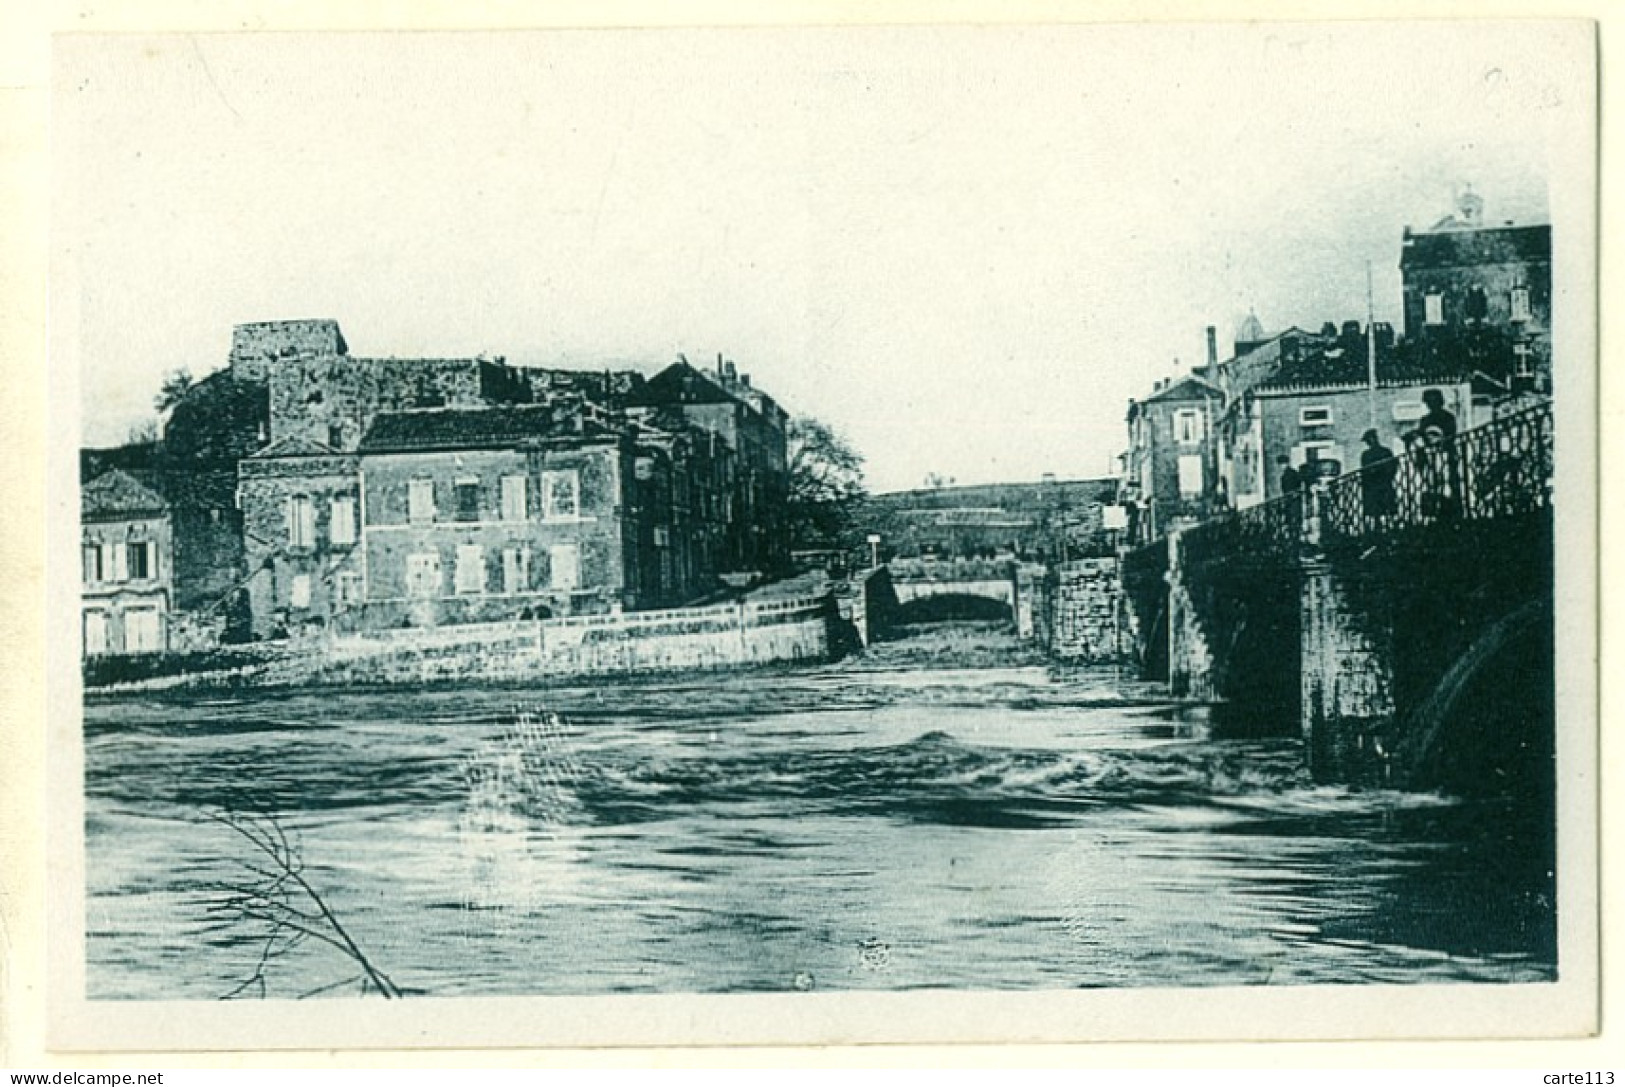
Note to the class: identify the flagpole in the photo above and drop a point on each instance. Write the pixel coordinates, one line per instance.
(1371, 351)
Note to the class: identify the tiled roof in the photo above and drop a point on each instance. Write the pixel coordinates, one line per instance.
(118, 494)
(1189, 387)
(1491, 245)
(681, 383)
(1338, 365)
(473, 428)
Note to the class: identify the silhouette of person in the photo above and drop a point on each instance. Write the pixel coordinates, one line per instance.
(1378, 467)
(1437, 416)
(1435, 462)
(1291, 480)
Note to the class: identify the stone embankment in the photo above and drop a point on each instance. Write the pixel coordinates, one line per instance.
(788, 623)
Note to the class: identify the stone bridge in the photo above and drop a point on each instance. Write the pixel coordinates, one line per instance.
(1401, 623)
(967, 589)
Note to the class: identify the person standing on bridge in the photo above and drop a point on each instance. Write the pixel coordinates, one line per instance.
(1291, 480)
(1437, 416)
(1378, 467)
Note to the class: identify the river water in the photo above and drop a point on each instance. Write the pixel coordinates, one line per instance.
(866, 825)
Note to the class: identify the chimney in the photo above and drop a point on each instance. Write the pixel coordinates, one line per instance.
(1212, 347)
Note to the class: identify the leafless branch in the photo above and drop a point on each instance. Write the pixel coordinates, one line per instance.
(285, 907)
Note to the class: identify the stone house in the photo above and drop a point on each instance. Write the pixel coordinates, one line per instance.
(269, 492)
(1312, 404)
(1483, 291)
(127, 566)
(455, 515)
(301, 530)
(494, 513)
(1170, 464)
(753, 425)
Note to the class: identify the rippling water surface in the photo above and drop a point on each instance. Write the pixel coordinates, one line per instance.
(850, 827)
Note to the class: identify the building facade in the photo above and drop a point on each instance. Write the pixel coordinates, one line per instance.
(303, 488)
(755, 428)
(1170, 467)
(127, 566)
(1482, 292)
(454, 515)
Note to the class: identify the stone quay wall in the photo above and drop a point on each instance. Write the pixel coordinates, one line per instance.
(674, 640)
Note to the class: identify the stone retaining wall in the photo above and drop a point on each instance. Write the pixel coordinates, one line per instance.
(674, 640)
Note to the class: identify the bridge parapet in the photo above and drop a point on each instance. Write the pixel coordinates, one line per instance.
(1499, 470)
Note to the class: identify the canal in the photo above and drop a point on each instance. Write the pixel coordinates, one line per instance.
(922, 817)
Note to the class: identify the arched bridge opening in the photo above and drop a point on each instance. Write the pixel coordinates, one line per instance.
(936, 600)
(952, 607)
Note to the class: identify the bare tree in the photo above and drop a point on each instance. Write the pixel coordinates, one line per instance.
(275, 897)
(174, 389)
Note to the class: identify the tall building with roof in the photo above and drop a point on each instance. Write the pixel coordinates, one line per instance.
(127, 566)
(1481, 293)
(1170, 467)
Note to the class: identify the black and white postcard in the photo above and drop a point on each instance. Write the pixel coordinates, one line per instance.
(952, 533)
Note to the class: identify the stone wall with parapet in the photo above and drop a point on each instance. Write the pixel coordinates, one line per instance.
(675, 640)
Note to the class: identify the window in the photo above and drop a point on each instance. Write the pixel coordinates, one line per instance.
(1520, 303)
(1433, 308)
(513, 498)
(1190, 477)
(1520, 360)
(1318, 460)
(121, 564)
(1188, 427)
(564, 564)
(470, 569)
(1478, 304)
(423, 574)
(561, 495)
(301, 521)
(299, 593)
(143, 631)
(420, 501)
(516, 569)
(93, 565)
(343, 526)
(468, 499)
(96, 632)
(139, 560)
(335, 436)
(1409, 411)
(1319, 415)
(347, 588)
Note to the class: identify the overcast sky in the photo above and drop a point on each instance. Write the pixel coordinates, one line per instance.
(965, 248)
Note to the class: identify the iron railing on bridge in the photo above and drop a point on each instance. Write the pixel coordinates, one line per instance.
(1501, 469)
